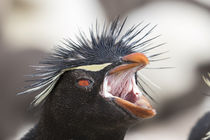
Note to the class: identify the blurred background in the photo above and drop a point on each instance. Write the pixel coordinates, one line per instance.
(30, 29)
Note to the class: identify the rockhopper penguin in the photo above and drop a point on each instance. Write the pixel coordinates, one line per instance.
(90, 88)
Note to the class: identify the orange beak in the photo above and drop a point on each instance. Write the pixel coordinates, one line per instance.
(136, 59)
(142, 108)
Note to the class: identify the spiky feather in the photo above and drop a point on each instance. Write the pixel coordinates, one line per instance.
(102, 47)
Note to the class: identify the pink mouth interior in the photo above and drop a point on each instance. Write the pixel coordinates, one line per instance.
(123, 85)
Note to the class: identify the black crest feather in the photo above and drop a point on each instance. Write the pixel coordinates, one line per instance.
(103, 46)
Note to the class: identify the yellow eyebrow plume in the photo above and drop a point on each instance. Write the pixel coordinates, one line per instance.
(95, 67)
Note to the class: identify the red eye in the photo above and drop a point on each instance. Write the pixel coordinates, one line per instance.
(84, 82)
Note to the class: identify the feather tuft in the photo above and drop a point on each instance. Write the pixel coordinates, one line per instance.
(103, 47)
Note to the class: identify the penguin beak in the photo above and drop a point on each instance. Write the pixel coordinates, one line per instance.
(123, 89)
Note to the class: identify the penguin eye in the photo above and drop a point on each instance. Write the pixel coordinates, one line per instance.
(84, 82)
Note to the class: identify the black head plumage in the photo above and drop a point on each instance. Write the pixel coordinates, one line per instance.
(103, 47)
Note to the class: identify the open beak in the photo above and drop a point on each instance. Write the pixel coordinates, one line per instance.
(141, 108)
